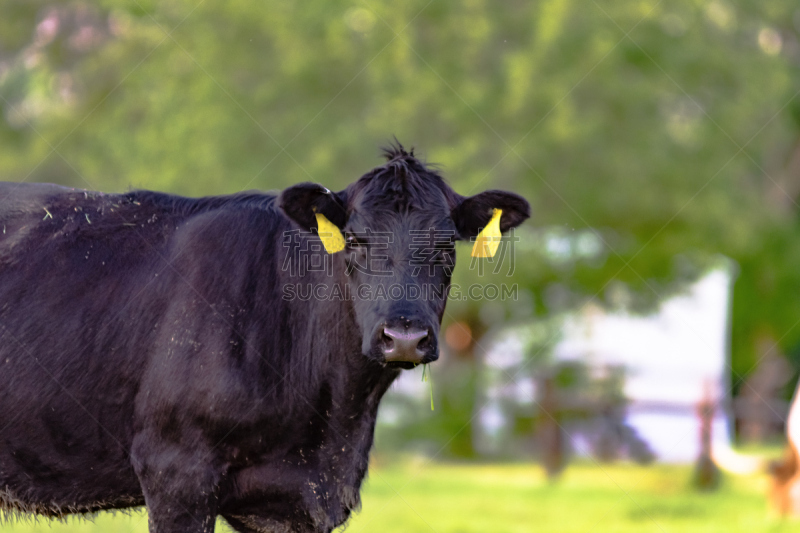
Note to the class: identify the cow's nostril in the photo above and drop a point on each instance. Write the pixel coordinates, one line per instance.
(424, 342)
(388, 343)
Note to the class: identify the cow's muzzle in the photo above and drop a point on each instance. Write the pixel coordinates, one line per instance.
(407, 346)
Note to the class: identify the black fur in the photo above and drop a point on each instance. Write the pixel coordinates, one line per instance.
(148, 354)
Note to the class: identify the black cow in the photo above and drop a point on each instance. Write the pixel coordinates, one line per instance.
(151, 354)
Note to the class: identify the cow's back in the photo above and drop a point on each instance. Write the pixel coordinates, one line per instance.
(84, 282)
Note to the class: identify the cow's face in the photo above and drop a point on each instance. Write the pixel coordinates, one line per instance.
(400, 223)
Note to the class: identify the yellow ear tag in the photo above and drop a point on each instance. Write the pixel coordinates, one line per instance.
(329, 234)
(488, 239)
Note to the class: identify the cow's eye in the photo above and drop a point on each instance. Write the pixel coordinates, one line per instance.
(353, 241)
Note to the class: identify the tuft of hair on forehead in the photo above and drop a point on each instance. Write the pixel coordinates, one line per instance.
(404, 180)
(395, 150)
(402, 167)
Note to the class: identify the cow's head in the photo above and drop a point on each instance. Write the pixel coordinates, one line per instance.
(399, 223)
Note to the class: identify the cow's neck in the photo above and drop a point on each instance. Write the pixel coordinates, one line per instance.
(344, 400)
(357, 386)
(356, 433)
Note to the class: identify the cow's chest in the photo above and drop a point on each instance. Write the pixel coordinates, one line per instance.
(314, 478)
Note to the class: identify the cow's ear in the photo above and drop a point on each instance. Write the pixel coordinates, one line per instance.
(486, 215)
(316, 208)
(302, 202)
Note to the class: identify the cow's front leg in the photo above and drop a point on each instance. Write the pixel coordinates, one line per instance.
(179, 483)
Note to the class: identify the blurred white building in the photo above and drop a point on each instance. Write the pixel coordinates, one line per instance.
(672, 358)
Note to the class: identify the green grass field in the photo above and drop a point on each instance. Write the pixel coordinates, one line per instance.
(403, 496)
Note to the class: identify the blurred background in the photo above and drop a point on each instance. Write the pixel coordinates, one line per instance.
(652, 336)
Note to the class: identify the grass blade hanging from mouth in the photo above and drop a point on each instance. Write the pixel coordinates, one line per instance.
(428, 376)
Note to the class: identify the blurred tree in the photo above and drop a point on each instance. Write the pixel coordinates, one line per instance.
(651, 138)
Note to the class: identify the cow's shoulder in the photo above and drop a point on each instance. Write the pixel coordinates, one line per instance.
(220, 227)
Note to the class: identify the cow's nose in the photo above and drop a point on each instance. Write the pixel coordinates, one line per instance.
(402, 344)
